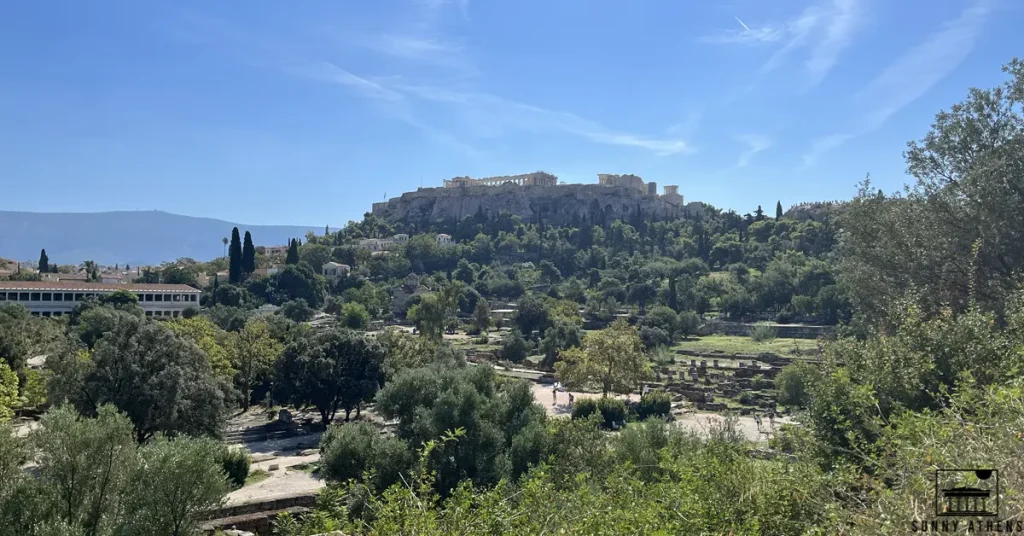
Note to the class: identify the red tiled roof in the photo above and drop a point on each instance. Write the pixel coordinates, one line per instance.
(86, 287)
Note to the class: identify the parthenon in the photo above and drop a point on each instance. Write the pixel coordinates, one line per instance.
(538, 178)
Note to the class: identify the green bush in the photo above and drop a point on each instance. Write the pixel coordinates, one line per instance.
(792, 383)
(747, 399)
(351, 450)
(584, 408)
(654, 404)
(513, 347)
(763, 333)
(612, 410)
(482, 339)
(235, 462)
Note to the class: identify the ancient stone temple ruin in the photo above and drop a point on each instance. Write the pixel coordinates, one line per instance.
(532, 194)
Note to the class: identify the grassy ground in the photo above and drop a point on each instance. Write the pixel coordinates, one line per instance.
(734, 345)
(310, 468)
(256, 476)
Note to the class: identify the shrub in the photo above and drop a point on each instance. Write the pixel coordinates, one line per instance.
(689, 323)
(235, 463)
(584, 408)
(663, 356)
(297, 310)
(332, 305)
(654, 404)
(354, 316)
(350, 450)
(612, 410)
(482, 339)
(763, 333)
(654, 337)
(792, 383)
(747, 399)
(784, 316)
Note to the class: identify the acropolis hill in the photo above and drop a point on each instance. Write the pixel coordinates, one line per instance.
(527, 195)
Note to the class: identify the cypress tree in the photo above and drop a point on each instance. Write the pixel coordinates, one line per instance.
(248, 255)
(293, 253)
(235, 258)
(44, 262)
(778, 210)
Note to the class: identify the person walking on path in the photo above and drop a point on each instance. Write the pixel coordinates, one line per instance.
(554, 395)
(771, 419)
(571, 400)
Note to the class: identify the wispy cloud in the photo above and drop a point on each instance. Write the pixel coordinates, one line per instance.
(325, 71)
(911, 75)
(755, 144)
(746, 36)
(843, 22)
(425, 49)
(826, 29)
(500, 114)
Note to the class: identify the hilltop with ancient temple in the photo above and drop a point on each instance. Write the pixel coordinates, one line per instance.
(531, 194)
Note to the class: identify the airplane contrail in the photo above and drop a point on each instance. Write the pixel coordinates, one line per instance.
(745, 27)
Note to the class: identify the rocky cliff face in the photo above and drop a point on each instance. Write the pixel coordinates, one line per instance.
(557, 203)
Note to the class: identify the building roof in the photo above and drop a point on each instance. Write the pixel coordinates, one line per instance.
(93, 287)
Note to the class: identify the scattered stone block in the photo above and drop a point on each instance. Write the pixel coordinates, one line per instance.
(274, 467)
(284, 416)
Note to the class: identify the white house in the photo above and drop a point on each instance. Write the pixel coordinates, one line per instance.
(400, 238)
(56, 298)
(444, 239)
(375, 244)
(333, 270)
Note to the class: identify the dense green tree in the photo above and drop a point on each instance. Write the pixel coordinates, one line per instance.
(210, 338)
(513, 347)
(163, 382)
(354, 316)
(500, 423)
(299, 281)
(562, 335)
(612, 359)
(297, 310)
(253, 352)
(953, 238)
(349, 451)
(248, 255)
(482, 316)
(532, 315)
(778, 210)
(178, 274)
(8, 391)
(235, 271)
(316, 255)
(330, 370)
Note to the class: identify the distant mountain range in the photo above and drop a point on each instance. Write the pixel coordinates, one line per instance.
(137, 238)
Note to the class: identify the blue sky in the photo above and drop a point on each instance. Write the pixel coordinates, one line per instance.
(271, 112)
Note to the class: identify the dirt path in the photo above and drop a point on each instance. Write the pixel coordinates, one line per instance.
(283, 482)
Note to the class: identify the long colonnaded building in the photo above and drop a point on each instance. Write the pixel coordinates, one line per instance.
(56, 298)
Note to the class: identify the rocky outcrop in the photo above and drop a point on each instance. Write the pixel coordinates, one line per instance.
(558, 204)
